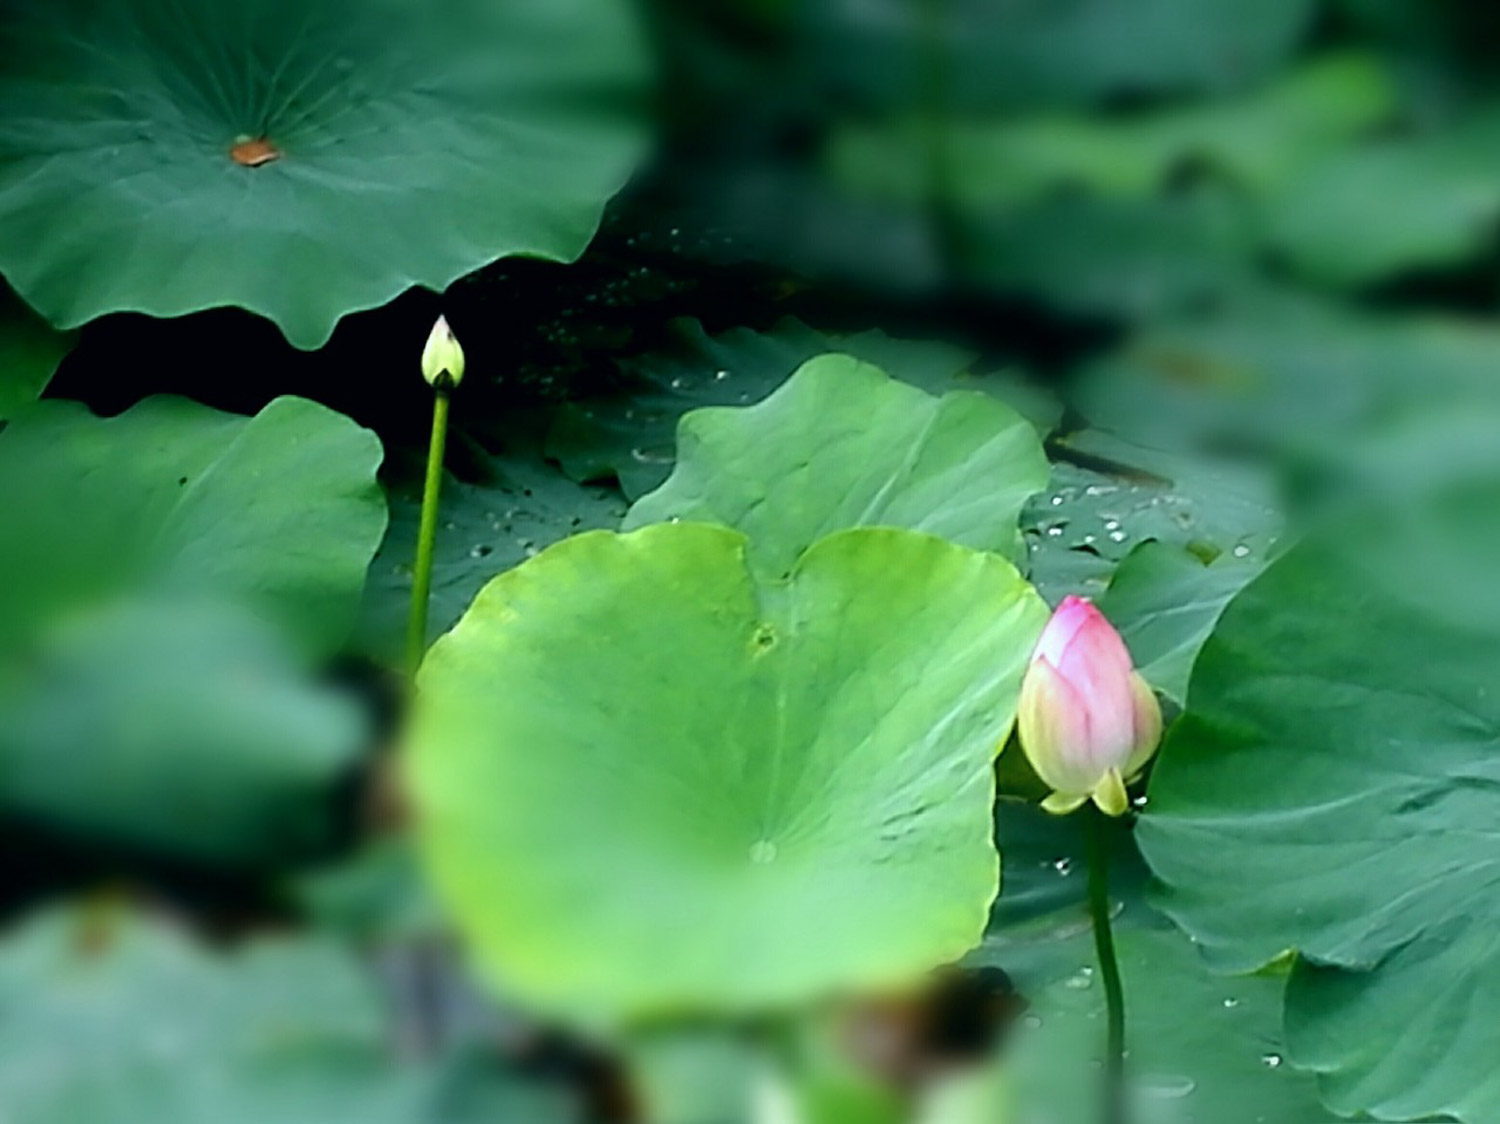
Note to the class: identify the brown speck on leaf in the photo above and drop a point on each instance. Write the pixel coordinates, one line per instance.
(255, 152)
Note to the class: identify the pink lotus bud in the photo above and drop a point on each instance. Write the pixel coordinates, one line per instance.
(1087, 721)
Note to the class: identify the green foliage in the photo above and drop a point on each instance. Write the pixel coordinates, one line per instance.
(1040, 52)
(628, 434)
(842, 445)
(1332, 790)
(108, 1019)
(1201, 1047)
(299, 158)
(1165, 601)
(171, 575)
(29, 353)
(515, 507)
(700, 789)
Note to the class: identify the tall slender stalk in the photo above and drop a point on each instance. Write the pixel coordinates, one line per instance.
(1109, 968)
(421, 586)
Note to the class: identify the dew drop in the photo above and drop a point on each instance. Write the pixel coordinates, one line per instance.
(1082, 981)
(720, 376)
(1271, 1061)
(1169, 1087)
(1241, 551)
(1063, 866)
(1231, 1003)
(1141, 801)
(1117, 536)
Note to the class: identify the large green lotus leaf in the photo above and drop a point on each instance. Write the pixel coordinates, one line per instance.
(118, 1020)
(300, 158)
(30, 351)
(842, 445)
(280, 512)
(1333, 789)
(1201, 1047)
(195, 707)
(1165, 601)
(650, 781)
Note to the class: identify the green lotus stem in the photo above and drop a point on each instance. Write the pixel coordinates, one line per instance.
(1109, 967)
(443, 368)
(421, 586)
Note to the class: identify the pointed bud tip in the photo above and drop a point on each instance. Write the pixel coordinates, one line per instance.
(442, 357)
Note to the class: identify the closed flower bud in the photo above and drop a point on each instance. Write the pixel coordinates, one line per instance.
(442, 358)
(1087, 720)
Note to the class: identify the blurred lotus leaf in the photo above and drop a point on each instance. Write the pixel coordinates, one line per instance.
(108, 1018)
(1407, 203)
(29, 353)
(171, 576)
(1260, 140)
(300, 158)
(1333, 789)
(842, 445)
(653, 781)
(1040, 52)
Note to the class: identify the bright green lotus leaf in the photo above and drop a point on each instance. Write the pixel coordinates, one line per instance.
(842, 445)
(30, 351)
(300, 158)
(109, 1019)
(1201, 1047)
(1334, 789)
(195, 707)
(651, 781)
(1165, 601)
(280, 512)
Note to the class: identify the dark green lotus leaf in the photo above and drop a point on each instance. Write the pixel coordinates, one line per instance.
(200, 708)
(1201, 1047)
(300, 158)
(1373, 212)
(1118, 258)
(172, 575)
(30, 351)
(842, 445)
(116, 1020)
(1280, 369)
(1032, 52)
(280, 512)
(630, 434)
(1107, 496)
(1261, 141)
(1165, 601)
(650, 780)
(1334, 789)
(520, 506)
